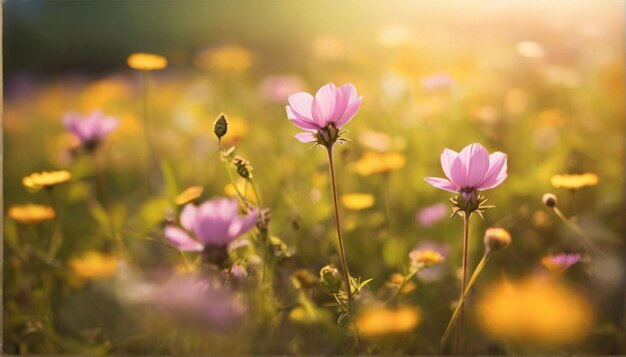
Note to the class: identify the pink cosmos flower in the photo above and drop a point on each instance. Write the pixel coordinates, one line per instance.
(437, 82)
(277, 88)
(91, 129)
(192, 300)
(432, 214)
(471, 170)
(559, 263)
(214, 223)
(331, 106)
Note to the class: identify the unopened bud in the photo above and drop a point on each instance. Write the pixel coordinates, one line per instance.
(220, 128)
(331, 278)
(244, 169)
(497, 239)
(549, 200)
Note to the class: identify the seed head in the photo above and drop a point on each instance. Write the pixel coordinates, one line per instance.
(549, 200)
(220, 128)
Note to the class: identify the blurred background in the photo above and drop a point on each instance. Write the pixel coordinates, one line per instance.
(543, 83)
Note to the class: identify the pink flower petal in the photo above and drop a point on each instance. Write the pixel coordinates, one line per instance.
(181, 240)
(243, 224)
(447, 158)
(497, 171)
(476, 160)
(301, 105)
(349, 112)
(189, 216)
(324, 104)
(302, 124)
(305, 137)
(442, 184)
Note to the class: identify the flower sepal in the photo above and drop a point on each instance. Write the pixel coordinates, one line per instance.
(329, 135)
(468, 203)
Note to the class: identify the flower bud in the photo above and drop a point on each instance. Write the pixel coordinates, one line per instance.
(425, 258)
(549, 200)
(497, 239)
(331, 278)
(244, 169)
(220, 128)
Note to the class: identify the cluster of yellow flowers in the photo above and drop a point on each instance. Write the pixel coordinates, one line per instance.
(574, 182)
(46, 179)
(31, 213)
(374, 163)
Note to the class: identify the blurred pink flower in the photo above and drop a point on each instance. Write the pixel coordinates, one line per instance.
(331, 106)
(90, 129)
(471, 170)
(277, 88)
(214, 223)
(437, 82)
(193, 300)
(559, 263)
(432, 214)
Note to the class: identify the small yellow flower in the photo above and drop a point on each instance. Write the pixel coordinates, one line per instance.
(395, 281)
(574, 182)
(244, 188)
(357, 201)
(373, 163)
(225, 59)
(46, 179)
(94, 264)
(146, 61)
(31, 213)
(426, 257)
(382, 321)
(237, 130)
(189, 195)
(537, 311)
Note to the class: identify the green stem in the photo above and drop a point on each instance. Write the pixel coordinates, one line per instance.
(56, 240)
(342, 251)
(576, 229)
(459, 333)
(459, 307)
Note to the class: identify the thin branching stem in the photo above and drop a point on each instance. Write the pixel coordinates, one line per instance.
(459, 306)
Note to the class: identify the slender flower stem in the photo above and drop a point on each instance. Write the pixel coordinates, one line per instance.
(459, 333)
(342, 251)
(459, 306)
(587, 242)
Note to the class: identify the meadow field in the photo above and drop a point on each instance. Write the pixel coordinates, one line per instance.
(158, 201)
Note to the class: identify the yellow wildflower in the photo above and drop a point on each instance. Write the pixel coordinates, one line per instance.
(31, 213)
(189, 195)
(225, 59)
(395, 281)
(382, 321)
(574, 182)
(357, 201)
(46, 179)
(426, 257)
(94, 264)
(373, 163)
(244, 188)
(146, 61)
(237, 130)
(535, 311)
